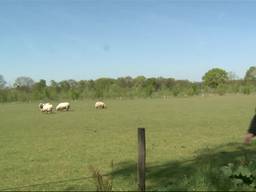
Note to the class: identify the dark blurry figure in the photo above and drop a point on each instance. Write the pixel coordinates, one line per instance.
(251, 131)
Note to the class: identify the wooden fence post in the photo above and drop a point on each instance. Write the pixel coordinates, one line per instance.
(141, 159)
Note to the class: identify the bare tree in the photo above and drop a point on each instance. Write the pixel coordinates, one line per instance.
(24, 82)
(2, 82)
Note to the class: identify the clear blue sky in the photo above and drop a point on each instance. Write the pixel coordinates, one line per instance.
(71, 39)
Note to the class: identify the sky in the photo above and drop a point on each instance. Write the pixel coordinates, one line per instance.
(89, 39)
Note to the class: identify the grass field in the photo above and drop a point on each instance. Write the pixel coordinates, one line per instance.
(185, 138)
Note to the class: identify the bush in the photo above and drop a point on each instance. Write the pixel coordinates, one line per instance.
(246, 90)
(241, 173)
(221, 89)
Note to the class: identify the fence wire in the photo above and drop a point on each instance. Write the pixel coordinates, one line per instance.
(49, 183)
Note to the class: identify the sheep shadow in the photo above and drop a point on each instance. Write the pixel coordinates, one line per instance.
(202, 173)
(51, 113)
(66, 111)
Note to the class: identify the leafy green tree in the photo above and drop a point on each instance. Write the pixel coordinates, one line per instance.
(214, 77)
(53, 90)
(176, 91)
(64, 85)
(246, 90)
(39, 90)
(150, 86)
(53, 83)
(125, 82)
(3, 95)
(102, 86)
(74, 94)
(169, 83)
(40, 86)
(139, 85)
(250, 74)
(139, 81)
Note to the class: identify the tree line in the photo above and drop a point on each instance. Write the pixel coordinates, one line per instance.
(214, 81)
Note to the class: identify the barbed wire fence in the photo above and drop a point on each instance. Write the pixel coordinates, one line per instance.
(49, 183)
(141, 165)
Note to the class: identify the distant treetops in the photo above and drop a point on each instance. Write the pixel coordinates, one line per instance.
(214, 81)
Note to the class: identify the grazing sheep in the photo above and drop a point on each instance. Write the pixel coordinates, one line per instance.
(63, 106)
(100, 105)
(40, 105)
(46, 107)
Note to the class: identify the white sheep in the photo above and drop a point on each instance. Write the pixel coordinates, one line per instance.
(100, 105)
(63, 106)
(46, 107)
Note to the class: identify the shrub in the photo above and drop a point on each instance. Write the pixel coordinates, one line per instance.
(241, 173)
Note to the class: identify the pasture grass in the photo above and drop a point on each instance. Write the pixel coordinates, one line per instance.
(187, 139)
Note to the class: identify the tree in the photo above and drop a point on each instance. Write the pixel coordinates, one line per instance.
(39, 89)
(250, 74)
(2, 82)
(53, 90)
(170, 83)
(72, 83)
(125, 82)
(24, 82)
(40, 86)
(102, 86)
(150, 86)
(214, 77)
(53, 84)
(139, 81)
(232, 76)
(64, 85)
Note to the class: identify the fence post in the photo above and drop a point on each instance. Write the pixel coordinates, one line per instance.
(141, 159)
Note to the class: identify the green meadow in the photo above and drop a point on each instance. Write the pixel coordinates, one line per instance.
(187, 139)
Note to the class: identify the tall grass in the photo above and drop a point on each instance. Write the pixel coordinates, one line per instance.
(102, 182)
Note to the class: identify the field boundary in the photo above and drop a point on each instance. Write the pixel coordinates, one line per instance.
(51, 182)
